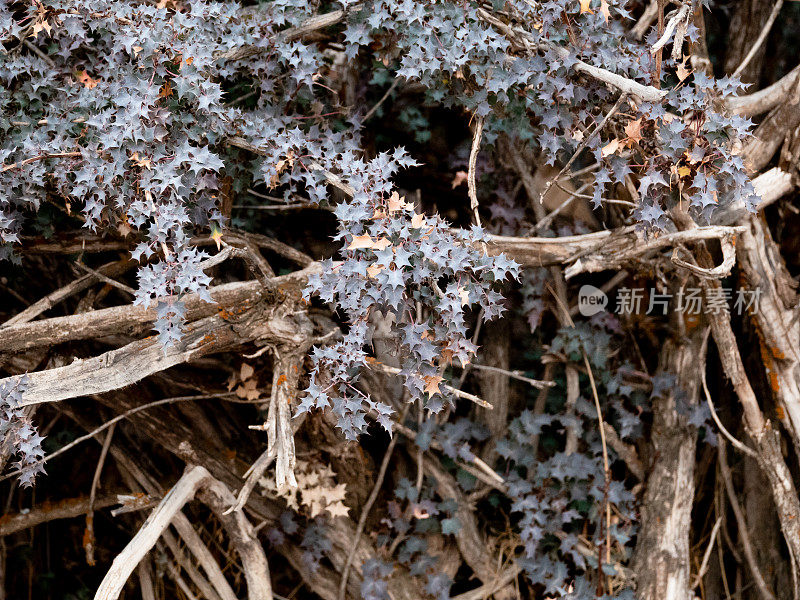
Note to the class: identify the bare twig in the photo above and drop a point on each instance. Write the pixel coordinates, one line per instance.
(736, 443)
(203, 556)
(479, 469)
(383, 99)
(487, 589)
(312, 24)
(113, 422)
(33, 48)
(545, 222)
(707, 554)
(142, 358)
(456, 392)
(473, 158)
(625, 451)
(65, 509)
(537, 383)
(606, 466)
(207, 591)
(257, 469)
(146, 581)
(104, 279)
(582, 145)
(182, 585)
(88, 537)
(744, 536)
(645, 21)
(27, 161)
(112, 269)
(675, 21)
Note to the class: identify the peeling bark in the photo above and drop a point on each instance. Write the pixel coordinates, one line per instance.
(661, 560)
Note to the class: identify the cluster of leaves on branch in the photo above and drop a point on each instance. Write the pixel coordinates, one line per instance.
(18, 432)
(417, 272)
(562, 497)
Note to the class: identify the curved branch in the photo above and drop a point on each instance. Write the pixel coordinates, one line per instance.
(147, 536)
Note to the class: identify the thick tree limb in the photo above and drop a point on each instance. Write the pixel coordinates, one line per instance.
(766, 99)
(194, 480)
(661, 559)
(46, 512)
(135, 319)
(767, 440)
(598, 251)
(280, 435)
(487, 589)
(626, 452)
(315, 23)
(125, 366)
(254, 562)
(191, 446)
(771, 133)
(747, 546)
(775, 318)
(203, 556)
(76, 286)
(124, 564)
(471, 544)
(750, 105)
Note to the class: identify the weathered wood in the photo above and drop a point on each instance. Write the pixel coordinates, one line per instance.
(661, 560)
(229, 298)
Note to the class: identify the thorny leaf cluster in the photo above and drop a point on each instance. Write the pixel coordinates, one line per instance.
(19, 434)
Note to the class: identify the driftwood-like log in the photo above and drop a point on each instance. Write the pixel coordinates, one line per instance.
(135, 319)
(125, 366)
(144, 540)
(217, 495)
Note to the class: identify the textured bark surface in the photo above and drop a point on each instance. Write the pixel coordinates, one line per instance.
(749, 16)
(494, 386)
(764, 531)
(661, 561)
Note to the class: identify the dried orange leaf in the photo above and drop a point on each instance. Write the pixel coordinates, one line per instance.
(682, 71)
(373, 270)
(461, 177)
(417, 221)
(381, 244)
(395, 202)
(634, 130)
(88, 82)
(611, 147)
(361, 241)
(246, 371)
(604, 9)
(432, 383)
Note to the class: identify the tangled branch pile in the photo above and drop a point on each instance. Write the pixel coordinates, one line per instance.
(310, 299)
